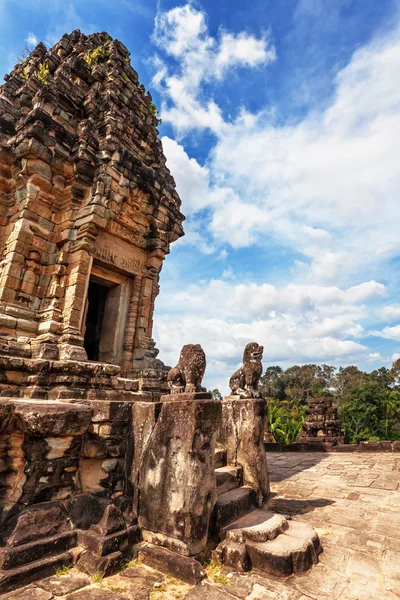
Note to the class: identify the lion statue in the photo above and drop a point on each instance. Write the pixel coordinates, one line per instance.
(244, 382)
(188, 373)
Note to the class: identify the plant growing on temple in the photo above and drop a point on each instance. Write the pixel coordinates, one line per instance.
(155, 112)
(23, 57)
(92, 57)
(286, 420)
(42, 73)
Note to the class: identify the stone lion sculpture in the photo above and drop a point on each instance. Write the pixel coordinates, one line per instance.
(188, 373)
(244, 382)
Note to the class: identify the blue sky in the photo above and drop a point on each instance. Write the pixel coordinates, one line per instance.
(281, 126)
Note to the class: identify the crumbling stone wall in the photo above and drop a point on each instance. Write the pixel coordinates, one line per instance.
(322, 423)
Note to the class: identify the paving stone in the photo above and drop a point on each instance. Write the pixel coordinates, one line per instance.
(29, 593)
(259, 592)
(205, 591)
(320, 583)
(363, 568)
(64, 584)
(356, 591)
(96, 594)
(142, 573)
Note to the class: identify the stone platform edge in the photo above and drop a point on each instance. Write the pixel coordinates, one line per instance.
(382, 446)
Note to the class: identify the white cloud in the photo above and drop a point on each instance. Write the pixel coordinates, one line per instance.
(192, 180)
(390, 312)
(326, 186)
(389, 333)
(242, 50)
(32, 40)
(182, 34)
(296, 324)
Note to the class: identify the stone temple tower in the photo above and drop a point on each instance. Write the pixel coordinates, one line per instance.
(88, 209)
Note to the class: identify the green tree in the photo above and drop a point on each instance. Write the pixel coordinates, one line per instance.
(391, 407)
(272, 384)
(216, 394)
(347, 379)
(370, 412)
(285, 420)
(307, 381)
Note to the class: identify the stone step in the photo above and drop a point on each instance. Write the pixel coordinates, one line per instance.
(220, 458)
(230, 506)
(268, 542)
(258, 526)
(294, 551)
(16, 578)
(12, 557)
(228, 478)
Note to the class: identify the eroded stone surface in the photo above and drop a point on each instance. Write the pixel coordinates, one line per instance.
(65, 584)
(177, 486)
(242, 435)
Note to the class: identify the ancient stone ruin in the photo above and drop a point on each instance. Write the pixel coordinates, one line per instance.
(104, 455)
(322, 424)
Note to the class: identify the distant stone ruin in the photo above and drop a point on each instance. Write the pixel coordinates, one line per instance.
(103, 455)
(322, 424)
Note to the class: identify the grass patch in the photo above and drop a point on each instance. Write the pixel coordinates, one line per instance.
(97, 578)
(63, 570)
(213, 572)
(131, 564)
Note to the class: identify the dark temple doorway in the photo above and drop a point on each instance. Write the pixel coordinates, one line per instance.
(97, 295)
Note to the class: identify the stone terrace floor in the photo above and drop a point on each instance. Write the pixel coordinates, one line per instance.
(353, 500)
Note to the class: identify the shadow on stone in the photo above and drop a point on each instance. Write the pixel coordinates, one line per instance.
(282, 466)
(290, 507)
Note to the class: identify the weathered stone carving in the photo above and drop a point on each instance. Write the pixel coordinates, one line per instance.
(188, 373)
(241, 434)
(244, 382)
(176, 474)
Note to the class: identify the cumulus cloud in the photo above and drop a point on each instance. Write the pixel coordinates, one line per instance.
(182, 34)
(327, 186)
(192, 180)
(296, 324)
(389, 333)
(324, 185)
(391, 312)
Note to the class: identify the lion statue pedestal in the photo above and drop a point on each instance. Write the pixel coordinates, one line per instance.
(177, 489)
(243, 423)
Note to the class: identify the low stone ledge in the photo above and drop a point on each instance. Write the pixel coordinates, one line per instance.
(381, 446)
(186, 568)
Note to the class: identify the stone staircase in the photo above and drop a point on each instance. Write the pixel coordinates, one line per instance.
(253, 537)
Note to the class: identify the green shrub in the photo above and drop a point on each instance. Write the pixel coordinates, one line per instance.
(42, 73)
(285, 420)
(92, 57)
